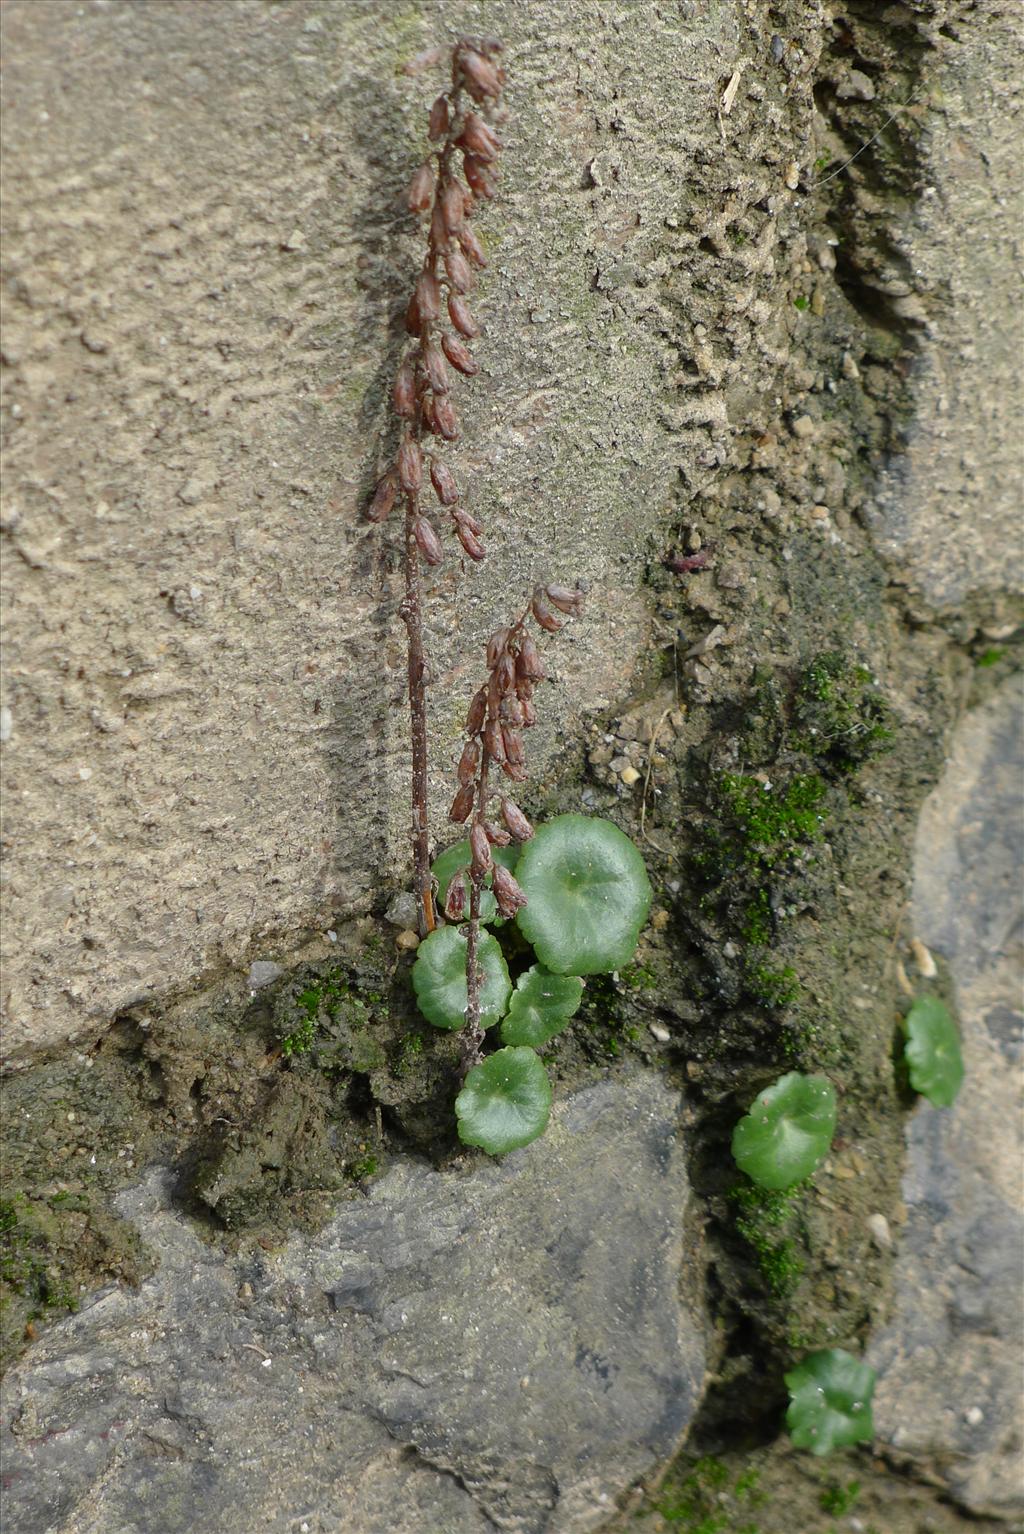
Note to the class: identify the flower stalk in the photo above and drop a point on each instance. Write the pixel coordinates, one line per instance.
(421, 396)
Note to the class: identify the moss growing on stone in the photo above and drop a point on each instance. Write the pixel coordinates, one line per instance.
(839, 716)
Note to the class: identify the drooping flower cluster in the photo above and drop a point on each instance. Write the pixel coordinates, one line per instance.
(422, 394)
(498, 714)
(438, 316)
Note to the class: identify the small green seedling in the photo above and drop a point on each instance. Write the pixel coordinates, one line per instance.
(932, 1052)
(787, 1132)
(830, 1401)
(588, 895)
(505, 1102)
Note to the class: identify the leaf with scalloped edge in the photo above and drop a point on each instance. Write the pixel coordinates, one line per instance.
(787, 1132)
(541, 1005)
(932, 1052)
(439, 978)
(505, 1102)
(588, 895)
(830, 1401)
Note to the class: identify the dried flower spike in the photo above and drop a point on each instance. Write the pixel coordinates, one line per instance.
(421, 394)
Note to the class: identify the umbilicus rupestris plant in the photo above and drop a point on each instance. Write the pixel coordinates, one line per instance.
(422, 394)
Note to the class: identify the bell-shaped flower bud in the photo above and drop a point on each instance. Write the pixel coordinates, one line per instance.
(440, 117)
(383, 498)
(461, 317)
(404, 393)
(410, 465)
(513, 743)
(529, 712)
(469, 761)
(458, 270)
(435, 369)
(496, 835)
(453, 207)
(494, 745)
(543, 614)
(528, 662)
(455, 897)
(443, 481)
(479, 137)
(413, 317)
(496, 647)
(470, 542)
(482, 862)
(472, 247)
(516, 821)
(445, 419)
(421, 188)
(477, 712)
(481, 178)
(427, 541)
(482, 79)
(566, 598)
(459, 356)
(507, 892)
(428, 296)
(462, 804)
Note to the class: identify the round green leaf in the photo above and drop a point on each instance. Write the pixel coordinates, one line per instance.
(541, 1005)
(446, 866)
(787, 1132)
(932, 1052)
(505, 1102)
(830, 1401)
(439, 978)
(588, 895)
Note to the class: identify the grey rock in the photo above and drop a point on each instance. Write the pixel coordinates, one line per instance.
(501, 1345)
(403, 910)
(263, 972)
(949, 1363)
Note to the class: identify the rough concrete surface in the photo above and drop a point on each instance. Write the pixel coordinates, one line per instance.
(206, 254)
(500, 1346)
(949, 1390)
(950, 506)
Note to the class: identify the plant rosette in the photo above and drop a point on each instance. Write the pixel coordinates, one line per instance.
(932, 1052)
(505, 1102)
(587, 894)
(830, 1401)
(787, 1132)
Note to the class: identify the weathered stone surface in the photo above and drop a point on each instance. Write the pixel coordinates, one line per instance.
(949, 508)
(207, 735)
(950, 1363)
(496, 1346)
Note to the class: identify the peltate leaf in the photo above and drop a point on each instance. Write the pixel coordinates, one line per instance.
(932, 1052)
(588, 895)
(541, 1005)
(505, 1102)
(830, 1401)
(439, 978)
(787, 1132)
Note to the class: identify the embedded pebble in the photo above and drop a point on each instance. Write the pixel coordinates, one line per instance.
(629, 776)
(973, 1416)
(923, 959)
(263, 972)
(659, 918)
(881, 1235)
(6, 725)
(620, 763)
(659, 1032)
(803, 427)
(403, 910)
(407, 939)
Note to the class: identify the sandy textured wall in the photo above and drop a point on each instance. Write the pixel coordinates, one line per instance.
(206, 251)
